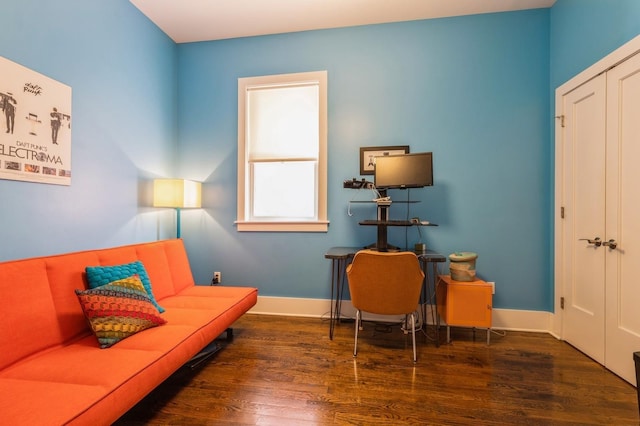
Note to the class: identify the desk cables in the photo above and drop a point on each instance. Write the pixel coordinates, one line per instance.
(368, 186)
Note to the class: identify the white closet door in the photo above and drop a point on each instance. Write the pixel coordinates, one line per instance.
(583, 198)
(623, 218)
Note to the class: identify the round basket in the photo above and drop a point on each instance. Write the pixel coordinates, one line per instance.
(463, 266)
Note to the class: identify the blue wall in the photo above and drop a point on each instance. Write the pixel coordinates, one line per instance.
(585, 31)
(477, 91)
(474, 90)
(122, 70)
(582, 33)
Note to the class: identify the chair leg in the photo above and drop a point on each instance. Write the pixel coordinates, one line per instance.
(355, 343)
(413, 335)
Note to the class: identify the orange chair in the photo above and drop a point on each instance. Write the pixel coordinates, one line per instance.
(385, 283)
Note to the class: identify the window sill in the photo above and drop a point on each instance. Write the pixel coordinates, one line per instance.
(319, 226)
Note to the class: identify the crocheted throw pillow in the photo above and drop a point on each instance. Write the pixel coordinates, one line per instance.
(118, 310)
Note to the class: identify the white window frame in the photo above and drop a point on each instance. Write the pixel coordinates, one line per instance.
(244, 221)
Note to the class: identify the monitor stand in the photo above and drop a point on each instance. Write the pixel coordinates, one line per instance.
(383, 216)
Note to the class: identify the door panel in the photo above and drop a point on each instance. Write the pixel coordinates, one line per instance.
(622, 292)
(583, 200)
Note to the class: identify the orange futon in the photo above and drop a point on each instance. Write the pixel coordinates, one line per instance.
(63, 357)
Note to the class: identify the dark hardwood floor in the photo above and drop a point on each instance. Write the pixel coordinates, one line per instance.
(286, 371)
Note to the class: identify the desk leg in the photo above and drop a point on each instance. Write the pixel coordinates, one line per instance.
(436, 319)
(338, 271)
(426, 297)
(334, 284)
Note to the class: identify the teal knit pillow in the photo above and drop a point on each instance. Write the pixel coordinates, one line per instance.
(97, 276)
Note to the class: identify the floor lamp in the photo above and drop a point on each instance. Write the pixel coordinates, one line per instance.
(178, 194)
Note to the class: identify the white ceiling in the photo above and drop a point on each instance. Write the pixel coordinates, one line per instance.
(199, 20)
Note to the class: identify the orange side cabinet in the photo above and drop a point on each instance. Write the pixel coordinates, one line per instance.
(464, 303)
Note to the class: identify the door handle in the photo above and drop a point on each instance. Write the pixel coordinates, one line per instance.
(596, 241)
(611, 244)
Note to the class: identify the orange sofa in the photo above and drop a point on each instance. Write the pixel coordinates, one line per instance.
(52, 369)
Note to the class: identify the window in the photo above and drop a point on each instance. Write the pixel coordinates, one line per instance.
(282, 153)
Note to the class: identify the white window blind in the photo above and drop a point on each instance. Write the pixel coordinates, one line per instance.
(283, 123)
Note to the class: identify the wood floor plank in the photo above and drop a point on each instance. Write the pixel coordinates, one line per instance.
(286, 371)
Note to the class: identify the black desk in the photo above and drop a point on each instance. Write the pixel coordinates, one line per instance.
(341, 256)
(381, 242)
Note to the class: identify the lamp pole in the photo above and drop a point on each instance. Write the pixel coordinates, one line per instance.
(178, 222)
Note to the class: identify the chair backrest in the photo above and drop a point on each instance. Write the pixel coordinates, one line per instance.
(385, 283)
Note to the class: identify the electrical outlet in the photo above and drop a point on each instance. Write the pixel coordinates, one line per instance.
(493, 287)
(217, 277)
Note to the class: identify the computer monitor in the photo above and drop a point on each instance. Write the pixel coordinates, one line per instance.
(404, 171)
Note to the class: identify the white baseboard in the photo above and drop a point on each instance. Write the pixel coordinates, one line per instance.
(503, 319)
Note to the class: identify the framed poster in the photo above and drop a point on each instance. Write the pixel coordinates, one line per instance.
(368, 156)
(35, 126)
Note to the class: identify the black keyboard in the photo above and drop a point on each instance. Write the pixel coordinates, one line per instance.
(387, 222)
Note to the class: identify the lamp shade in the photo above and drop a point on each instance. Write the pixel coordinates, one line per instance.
(177, 193)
